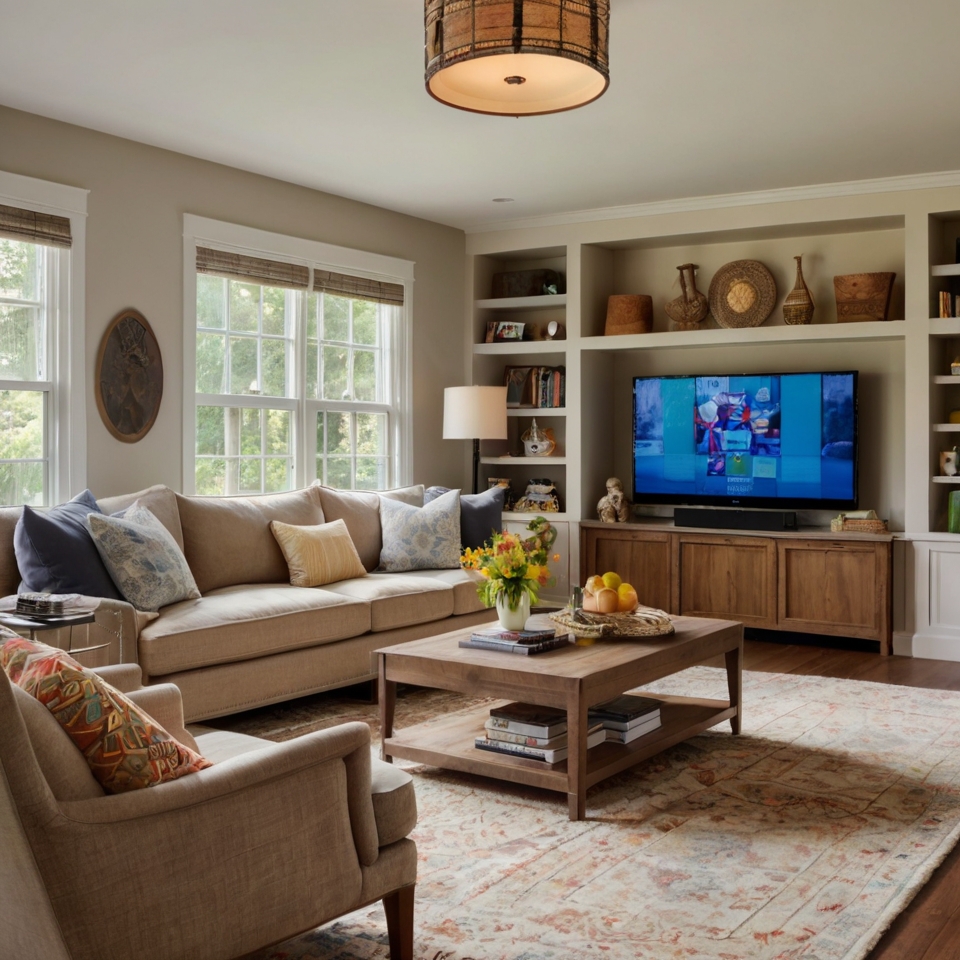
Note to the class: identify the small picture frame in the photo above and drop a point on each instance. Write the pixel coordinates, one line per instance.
(519, 384)
(491, 331)
(508, 332)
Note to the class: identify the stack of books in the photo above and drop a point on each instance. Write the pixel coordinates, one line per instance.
(627, 717)
(524, 642)
(537, 733)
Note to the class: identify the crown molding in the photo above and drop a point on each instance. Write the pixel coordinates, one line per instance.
(820, 191)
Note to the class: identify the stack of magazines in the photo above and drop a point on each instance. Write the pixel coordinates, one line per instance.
(626, 717)
(524, 642)
(537, 733)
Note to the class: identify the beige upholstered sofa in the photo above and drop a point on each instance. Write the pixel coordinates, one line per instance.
(252, 638)
(271, 840)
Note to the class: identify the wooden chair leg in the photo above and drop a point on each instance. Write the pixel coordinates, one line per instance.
(398, 906)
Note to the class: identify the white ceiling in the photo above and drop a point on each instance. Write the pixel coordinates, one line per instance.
(706, 97)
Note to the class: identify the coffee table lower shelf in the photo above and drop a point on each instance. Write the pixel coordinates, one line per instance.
(448, 742)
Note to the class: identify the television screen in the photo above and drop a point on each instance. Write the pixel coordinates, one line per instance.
(768, 440)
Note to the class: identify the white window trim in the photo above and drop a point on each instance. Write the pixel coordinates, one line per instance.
(202, 231)
(68, 442)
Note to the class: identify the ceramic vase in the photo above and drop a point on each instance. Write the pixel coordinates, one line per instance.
(513, 618)
(798, 307)
(690, 308)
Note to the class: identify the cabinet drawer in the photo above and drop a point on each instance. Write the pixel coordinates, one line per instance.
(647, 562)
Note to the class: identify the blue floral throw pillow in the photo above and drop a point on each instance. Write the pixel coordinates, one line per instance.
(146, 563)
(420, 538)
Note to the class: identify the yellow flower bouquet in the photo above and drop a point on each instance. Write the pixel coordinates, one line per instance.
(513, 568)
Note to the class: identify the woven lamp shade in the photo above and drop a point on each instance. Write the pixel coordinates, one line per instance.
(516, 57)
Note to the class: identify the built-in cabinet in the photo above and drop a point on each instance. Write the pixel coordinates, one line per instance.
(906, 389)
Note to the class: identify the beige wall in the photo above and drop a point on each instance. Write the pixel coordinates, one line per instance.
(138, 195)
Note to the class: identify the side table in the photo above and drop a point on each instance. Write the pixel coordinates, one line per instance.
(34, 625)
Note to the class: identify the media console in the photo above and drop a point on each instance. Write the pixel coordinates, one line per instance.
(805, 581)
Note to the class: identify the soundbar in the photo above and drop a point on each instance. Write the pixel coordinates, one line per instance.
(735, 519)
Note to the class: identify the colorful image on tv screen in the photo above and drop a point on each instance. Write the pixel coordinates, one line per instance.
(771, 437)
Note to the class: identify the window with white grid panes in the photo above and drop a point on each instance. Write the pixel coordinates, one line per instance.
(246, 387)
(349, 388)
(28, 313)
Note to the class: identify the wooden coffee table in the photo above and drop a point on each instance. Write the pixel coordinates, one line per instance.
(572, 679)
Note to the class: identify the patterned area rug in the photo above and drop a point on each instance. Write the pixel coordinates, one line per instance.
(803, 837)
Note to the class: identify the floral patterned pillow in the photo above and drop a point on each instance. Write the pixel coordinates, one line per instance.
(125, 748)
(420, 538)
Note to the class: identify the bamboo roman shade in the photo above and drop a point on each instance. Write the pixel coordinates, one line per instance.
(33, 227)
(358, 288)
(239, 266)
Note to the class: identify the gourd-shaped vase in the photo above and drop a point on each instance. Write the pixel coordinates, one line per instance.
(798, 307)
(687, 310)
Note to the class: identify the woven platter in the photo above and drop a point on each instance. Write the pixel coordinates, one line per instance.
(743, 293)
(643, 622)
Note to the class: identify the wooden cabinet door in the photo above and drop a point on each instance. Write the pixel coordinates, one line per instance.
(645, 560)
(836, 587)
(731, 577)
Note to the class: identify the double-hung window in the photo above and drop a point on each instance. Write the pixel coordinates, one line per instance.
(41, 423)
(296, 368)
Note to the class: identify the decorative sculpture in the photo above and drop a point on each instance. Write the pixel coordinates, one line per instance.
(614, 507)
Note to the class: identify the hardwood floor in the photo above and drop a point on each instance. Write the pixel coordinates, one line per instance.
(929, 928)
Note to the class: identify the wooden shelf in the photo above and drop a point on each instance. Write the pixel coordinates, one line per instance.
(542, 302)
(948, 378)
(547, 411)
(521, 347)
(810, 333)
(945, 270)
(945, 479)
(945, 427)
(524, 461)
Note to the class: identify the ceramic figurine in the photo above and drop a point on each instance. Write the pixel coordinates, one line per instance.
(614, 507)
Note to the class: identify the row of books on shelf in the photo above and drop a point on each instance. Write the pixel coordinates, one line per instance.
(524, 642)
(536, 386)
(949, 304)
(540, 733)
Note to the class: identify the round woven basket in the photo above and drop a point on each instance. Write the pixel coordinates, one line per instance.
(642, 622)
(743, 293)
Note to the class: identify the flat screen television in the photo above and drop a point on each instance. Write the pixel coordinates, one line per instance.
(758, 440)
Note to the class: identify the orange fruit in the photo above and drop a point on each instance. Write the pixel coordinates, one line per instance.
(627, 599)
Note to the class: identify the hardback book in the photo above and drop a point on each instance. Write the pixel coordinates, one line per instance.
(639, 730)
(513, 636)
(626, 708)
(535, 753)
(529, 719)
(516, 646)
(544, 743)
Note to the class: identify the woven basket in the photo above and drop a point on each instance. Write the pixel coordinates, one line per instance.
(643, 622)
(848, 525)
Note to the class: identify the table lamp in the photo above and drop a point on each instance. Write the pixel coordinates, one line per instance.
(475, 413)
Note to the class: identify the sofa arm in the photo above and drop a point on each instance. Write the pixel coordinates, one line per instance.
(125, 677)
(252, 771)
(162, 701)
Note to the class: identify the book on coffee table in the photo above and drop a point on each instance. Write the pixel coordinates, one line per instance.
(640, 729)
(544, 743)
(515, 636)
(626, 711)
(522, 646)
(529, 719)
(536, 753)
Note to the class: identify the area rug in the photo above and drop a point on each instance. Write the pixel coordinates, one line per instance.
(802, 838)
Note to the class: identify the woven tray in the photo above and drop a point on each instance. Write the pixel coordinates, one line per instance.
(643, 622)
(848, 525)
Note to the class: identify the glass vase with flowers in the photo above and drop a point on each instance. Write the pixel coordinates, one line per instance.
(514, 569)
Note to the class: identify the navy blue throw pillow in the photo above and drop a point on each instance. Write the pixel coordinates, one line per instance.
(56, 554)
(480, 514)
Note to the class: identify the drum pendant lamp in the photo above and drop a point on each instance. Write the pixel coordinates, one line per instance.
(516, 57)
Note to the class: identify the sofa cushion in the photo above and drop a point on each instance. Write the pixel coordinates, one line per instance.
(246, 621)
(227, 540)
(394, 802)
(421, 538)
(62, 764)
(360, 511)
(125, 748)
(55, 552)
(396, 600)
(464, 586)
(319, 554)
(160, 500)
(481, 514)
(143, 559)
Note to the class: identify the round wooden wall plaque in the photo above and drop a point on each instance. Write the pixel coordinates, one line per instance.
(129, 377)
(743, 293)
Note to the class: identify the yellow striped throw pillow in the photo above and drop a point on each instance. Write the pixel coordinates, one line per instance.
(318, 554)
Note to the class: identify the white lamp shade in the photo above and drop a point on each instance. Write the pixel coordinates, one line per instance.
(475, 413)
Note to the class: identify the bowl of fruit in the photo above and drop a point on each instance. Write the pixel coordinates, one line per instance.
(611, 608)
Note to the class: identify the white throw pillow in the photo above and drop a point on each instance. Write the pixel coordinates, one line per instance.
(420, 538)
(143, 558)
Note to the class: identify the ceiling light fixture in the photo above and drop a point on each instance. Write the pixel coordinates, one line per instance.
(516, 57)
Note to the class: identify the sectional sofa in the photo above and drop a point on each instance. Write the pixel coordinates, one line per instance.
(252, 638)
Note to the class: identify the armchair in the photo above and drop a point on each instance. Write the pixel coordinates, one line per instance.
(272, 840)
